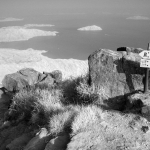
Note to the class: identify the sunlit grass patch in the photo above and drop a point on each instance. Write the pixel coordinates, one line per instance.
(87, 116)
(61, 121)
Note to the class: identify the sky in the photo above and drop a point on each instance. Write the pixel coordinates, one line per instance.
(23, 8)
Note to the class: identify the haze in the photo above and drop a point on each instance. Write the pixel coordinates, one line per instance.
(36, 7)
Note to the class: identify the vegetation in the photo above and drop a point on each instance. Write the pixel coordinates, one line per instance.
(72, 107)
(59, 107)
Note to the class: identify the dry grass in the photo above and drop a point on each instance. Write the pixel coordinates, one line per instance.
(46, 106)
(78, 92)
(35, 103)
(62, 121)
(87, 116)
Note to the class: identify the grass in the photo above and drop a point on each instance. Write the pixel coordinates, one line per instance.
(66, 107)
(61, 121)
(87, 116)
(72, 107)
(78, 92)
(35, 103)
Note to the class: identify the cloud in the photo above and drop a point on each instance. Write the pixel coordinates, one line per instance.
(138, 18)
(10, 19)
(37, 25)
(90, 28)
(22, 33)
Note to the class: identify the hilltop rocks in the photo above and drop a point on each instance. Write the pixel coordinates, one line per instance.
(21, 79)
(27, 76)
(115, 74)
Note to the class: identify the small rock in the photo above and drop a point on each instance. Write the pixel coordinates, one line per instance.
(19, 142)
(58, 143)
(146, 110)
(39, 141)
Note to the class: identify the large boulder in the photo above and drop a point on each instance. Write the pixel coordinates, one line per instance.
(21, 79)
(115, 74)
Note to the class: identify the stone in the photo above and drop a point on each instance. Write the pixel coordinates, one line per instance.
(20, 79)
(146, 110)
(48, 80)
(5, 100)
(114, 74)
(56, 74)
(134, 103)
(130, 49)
(58, 143)
(9, 134)
(20, 142)
(39, 141)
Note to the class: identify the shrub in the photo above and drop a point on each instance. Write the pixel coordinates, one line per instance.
(35, 103)
(78, 91)
(48, 102)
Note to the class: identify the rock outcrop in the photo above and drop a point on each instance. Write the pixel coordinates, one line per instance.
(115, 73)
(21, 79)
(28, 77)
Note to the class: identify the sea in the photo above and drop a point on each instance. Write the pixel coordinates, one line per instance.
(117, 31)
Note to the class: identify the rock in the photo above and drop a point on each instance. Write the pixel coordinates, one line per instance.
(5, 100)
(134, 103)
(130, 49)
(56, 74)
(21, 79)
(58, 143)
(5, 124)
(146, 110)
(9, 134)
(114, 74)
(48, 80)
(39, 141)
(5, 97)
(20, 142)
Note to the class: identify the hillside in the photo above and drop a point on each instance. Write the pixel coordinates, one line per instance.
(105, 109)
